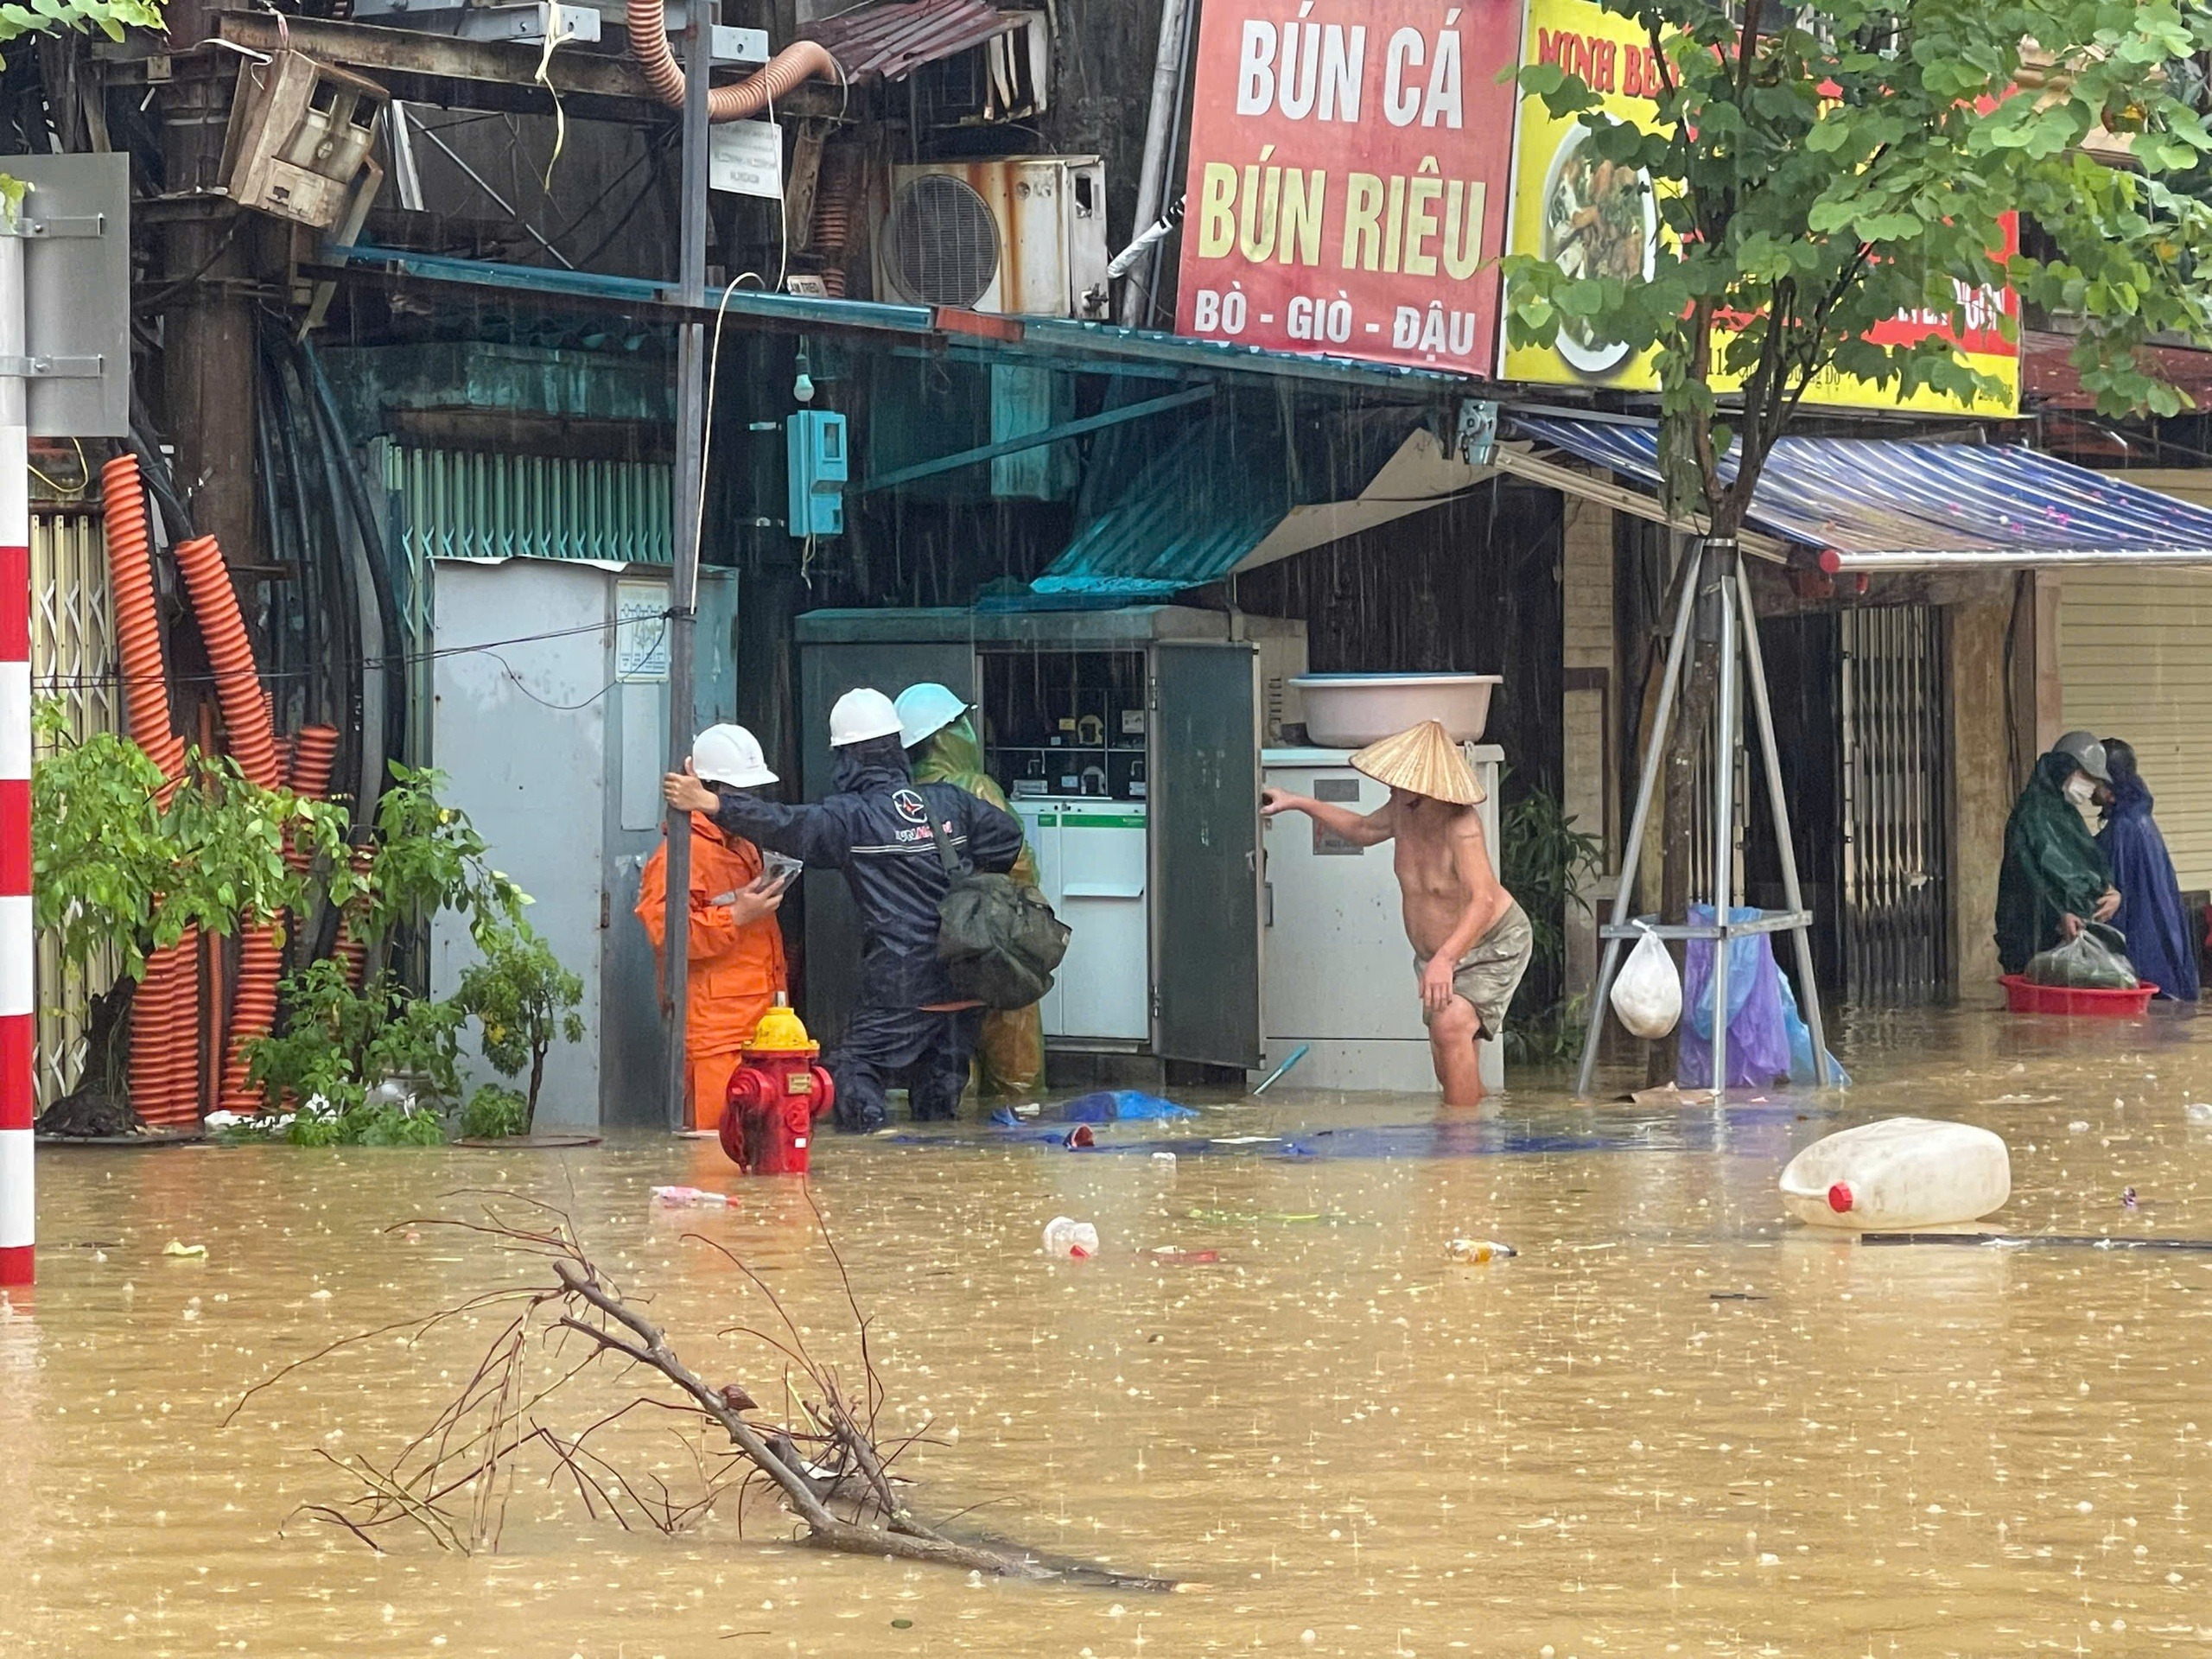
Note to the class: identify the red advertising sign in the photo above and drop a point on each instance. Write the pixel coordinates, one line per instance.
(1349, 161)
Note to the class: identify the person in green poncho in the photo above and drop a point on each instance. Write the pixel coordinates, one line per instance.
(2056, 876)
(942, 744)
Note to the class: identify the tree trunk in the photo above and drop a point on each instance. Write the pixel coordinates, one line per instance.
(1694, 710)
(537, 1077)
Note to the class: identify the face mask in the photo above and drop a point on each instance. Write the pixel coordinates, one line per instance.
(2079, 789)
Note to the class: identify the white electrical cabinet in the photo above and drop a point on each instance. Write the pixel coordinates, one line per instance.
(1337, 974)
(1091, 857)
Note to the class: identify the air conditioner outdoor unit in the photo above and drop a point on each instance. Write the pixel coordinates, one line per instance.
(1020, 234)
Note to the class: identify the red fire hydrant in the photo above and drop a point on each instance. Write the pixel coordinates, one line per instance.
(776, 1093)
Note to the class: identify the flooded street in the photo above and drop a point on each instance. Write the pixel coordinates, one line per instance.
(1673, 1424)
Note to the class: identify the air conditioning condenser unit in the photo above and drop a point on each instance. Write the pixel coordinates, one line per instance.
(1019, 234)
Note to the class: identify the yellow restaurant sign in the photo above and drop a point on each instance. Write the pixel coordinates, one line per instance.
(1577, 211)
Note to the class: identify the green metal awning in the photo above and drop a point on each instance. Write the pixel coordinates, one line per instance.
(1179, 505)
(1080, 347)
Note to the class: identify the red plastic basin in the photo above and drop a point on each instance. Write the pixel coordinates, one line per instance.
(2024, 997)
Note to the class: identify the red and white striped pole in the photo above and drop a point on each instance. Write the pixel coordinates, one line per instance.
(18, 1018)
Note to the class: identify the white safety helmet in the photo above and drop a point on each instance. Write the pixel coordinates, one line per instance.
(730, 754)
(859, 715)
(924, 711)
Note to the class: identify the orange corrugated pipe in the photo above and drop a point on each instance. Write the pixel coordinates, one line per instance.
(149, 1014)
(253, 746)
(800, 62)
(238, 683)
(165, 1037)
(350, 950)
(313, 750)
(138, 625)
(253, 1007)
(253, 1011)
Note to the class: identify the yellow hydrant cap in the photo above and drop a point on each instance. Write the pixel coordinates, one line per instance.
(782, 1031)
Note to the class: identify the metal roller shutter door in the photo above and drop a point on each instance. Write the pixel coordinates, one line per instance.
(2135, 649)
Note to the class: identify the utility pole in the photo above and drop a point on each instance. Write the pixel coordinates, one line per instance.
(1152, 191)
(691, 414)
(210, 254)
(18, 1016)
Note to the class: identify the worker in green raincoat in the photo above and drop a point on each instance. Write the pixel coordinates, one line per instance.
(2056, 876)
(942, 744)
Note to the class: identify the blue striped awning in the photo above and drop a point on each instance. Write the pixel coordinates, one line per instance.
(1867, 503)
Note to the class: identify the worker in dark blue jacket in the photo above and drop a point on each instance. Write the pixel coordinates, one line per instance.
(881, 829)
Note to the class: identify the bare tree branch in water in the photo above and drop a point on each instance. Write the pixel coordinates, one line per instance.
(824, 1461)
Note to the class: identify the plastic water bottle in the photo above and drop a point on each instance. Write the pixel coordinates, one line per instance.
(1474, 1252)
(681, 1196)
(1065, 1236)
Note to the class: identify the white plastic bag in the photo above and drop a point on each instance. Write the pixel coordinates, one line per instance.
(1648, 992)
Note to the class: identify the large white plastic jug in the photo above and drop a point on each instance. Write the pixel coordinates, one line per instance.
(1900, 1174)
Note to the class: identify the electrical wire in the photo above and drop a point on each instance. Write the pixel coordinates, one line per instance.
(163, 294)
(67, 491)
(484, 647)
(707, 438)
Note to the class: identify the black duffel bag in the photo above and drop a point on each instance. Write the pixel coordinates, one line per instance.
(998, 939)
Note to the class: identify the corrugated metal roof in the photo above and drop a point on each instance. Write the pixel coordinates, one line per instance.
(1880, 503)
(1213, 489)
(896, 37)
(1080, 347)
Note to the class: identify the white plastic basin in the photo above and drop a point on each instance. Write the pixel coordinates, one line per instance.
(1898, 1174)
(1349, 711)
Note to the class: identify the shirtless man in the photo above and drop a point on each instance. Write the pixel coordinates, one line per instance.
(1471, 940)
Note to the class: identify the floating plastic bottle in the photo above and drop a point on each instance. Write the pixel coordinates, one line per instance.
(682, 1197)
(1473, 1252)
(1897, 1174)
(1065, 1236)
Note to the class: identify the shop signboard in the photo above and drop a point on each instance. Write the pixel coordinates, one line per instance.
(1570, 207)
(1349, 176)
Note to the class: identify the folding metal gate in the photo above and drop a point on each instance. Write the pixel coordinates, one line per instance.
(73, 664)
(1895, 918)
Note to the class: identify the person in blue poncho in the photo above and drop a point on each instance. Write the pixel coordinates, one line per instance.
(2161, 935)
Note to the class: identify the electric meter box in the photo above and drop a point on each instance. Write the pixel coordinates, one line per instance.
(815, 442)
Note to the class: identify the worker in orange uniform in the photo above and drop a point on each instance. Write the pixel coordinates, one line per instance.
(736, 969)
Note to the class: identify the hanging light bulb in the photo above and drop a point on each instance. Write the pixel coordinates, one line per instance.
(802, 382)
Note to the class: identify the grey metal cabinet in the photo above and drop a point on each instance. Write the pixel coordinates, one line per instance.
(1150, 714)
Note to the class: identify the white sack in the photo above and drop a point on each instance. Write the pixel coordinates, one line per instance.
(1648, 992)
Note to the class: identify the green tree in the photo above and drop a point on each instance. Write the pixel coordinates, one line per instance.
(427, 857)
(108, 17)
(523, 999)
(114, 864)
(1819, 173)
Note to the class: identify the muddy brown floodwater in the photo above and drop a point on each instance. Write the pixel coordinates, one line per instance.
(1674, 1424)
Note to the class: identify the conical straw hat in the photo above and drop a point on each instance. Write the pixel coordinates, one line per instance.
(1424, 760)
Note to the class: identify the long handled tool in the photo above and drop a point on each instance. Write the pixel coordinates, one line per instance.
(1268, 1082)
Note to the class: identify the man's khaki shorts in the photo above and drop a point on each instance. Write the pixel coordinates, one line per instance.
(1488, 974)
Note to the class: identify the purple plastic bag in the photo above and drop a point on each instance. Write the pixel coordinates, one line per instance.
(1758, 1036)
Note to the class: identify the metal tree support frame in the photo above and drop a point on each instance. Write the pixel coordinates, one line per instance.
(1719, 574)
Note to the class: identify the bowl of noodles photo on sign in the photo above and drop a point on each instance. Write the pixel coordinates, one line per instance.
(1600, 219)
